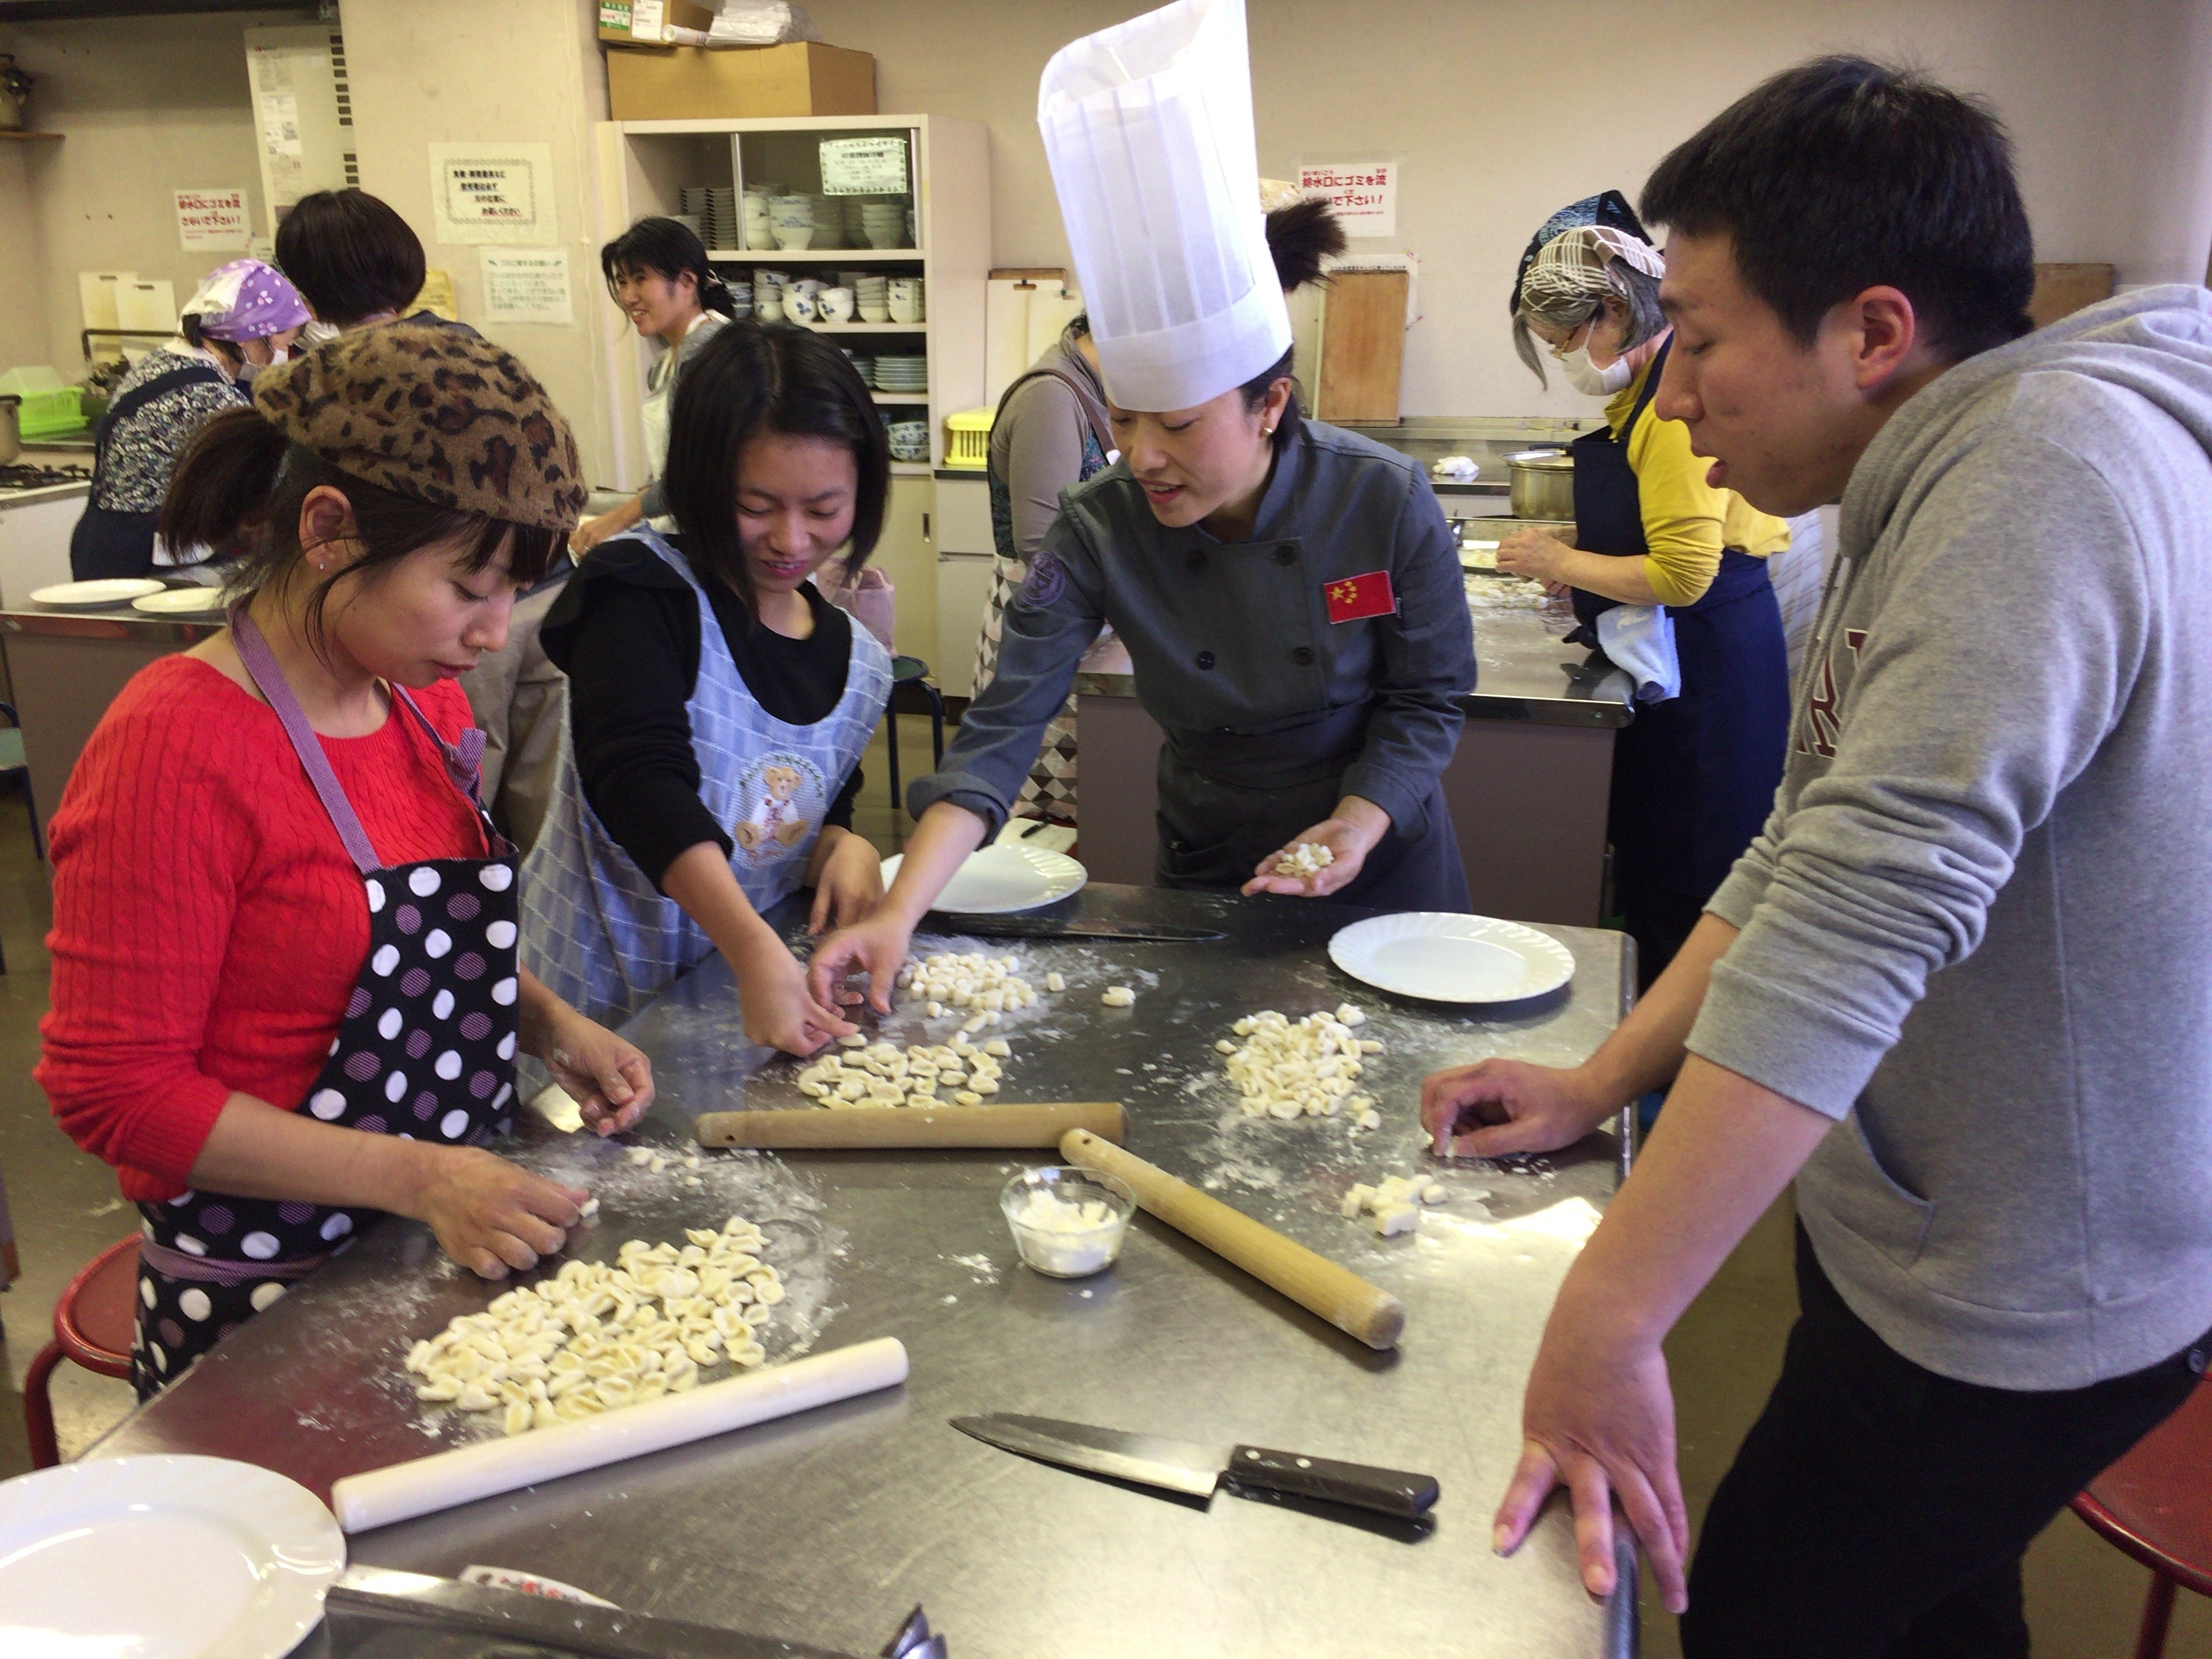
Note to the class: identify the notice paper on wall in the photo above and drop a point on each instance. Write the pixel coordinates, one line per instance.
(1364, 194)
(437, 296)
(211, 219)
(526, 285)
(864, 167)
(493, 193)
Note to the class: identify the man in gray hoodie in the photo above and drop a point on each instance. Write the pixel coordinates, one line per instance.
(1957, 987)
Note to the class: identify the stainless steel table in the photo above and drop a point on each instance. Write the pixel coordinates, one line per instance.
(827, 1527)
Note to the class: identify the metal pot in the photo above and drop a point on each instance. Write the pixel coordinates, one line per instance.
(1543, 484)
(11, 430)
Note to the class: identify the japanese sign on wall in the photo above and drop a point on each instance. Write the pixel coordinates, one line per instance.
(526, 285)
(1364, 194)
(211, 219)
(864, 167)
(493, 193)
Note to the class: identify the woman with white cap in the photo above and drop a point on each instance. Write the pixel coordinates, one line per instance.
(1659, 555)
(1289, 594)
(244, 318)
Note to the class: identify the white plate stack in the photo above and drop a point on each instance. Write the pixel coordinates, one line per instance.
(723, 221)
(903, 373)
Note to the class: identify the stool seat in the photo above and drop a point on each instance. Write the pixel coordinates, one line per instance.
(95, 1323)
(2155, 1504)
(912, 674)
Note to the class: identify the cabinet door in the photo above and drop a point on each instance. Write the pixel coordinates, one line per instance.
(907, 553)
(964, 514)
(964, 587)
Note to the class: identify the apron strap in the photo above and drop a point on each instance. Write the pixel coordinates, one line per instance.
(463, 760)
(1650, 390)
(261, 663)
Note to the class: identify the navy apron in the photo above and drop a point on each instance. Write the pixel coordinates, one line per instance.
(426, 1050)
(108, 542)
(1693, 777)
(1229, 798)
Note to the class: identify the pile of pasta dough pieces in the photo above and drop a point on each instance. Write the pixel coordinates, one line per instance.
(595, 1338)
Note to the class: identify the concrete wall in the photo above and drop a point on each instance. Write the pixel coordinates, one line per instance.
(1506, 110)
(147, 106)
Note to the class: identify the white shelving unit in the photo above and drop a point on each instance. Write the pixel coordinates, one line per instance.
(643, 166)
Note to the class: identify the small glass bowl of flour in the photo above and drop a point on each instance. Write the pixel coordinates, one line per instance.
(1067, 1222)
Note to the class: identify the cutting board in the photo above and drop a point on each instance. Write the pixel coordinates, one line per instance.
(1363, 346)
(1024, 312)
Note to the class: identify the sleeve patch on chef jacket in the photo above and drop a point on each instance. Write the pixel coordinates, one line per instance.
(1045, 582)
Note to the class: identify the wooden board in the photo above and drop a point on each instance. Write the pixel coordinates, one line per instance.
(2062, 290)
(1363, 346)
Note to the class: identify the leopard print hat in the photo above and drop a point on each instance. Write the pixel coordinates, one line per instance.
(442, 416)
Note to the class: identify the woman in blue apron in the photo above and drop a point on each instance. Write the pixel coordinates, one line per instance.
(718, 704)
(244, 318)
(1694, 773)
(314, 1016)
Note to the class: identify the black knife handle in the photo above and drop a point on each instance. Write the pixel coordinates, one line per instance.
(1391, 1491)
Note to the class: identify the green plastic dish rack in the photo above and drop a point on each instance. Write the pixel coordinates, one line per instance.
(52, 414)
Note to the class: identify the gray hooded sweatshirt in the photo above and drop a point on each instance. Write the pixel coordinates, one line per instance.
(1974, 928)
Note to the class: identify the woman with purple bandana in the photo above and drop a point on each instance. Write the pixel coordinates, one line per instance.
(244, 318)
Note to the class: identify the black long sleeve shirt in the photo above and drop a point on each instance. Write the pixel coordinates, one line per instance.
(626, 634)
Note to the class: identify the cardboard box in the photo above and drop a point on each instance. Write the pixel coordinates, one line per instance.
(683, 83)
(644, 23)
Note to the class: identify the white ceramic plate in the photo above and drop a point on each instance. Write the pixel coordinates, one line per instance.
(998, 880)
(94, 596)
(180, 602)
(162, 1558)
(1441, 956)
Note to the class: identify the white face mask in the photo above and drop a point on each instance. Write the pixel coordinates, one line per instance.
(1587, 378)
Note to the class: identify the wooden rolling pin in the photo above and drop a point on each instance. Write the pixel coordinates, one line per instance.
(864, 1126)
(1314, 1282)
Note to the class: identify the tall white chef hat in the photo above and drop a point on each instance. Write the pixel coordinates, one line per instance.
(1148, 129)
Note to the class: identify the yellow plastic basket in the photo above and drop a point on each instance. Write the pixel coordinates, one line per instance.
(967, 437)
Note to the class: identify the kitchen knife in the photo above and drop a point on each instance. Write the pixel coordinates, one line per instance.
(1185, 1466)
(945, 921)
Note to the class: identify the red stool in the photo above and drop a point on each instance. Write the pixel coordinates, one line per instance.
(2155, 1504)
(95, 1322)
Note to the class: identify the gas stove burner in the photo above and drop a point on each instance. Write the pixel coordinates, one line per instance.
(42, 477)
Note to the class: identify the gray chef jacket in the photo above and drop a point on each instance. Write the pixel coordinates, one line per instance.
(1234, 638)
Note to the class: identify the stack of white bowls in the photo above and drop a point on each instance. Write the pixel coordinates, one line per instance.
(829, 222)
(886, 223)
(767, 295)
(871, 298)
(759, 220)
(741, 297)
(906, 301)
(792, 220)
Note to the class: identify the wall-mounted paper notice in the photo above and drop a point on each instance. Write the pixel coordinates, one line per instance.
(437, 295)
(864, 167)
(1364, 194)
(526, 285)
(211, 218)
(493, 193)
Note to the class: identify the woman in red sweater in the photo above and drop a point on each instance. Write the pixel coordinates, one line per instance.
(286, 994)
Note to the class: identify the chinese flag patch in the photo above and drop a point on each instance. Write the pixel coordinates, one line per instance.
(1353, 598)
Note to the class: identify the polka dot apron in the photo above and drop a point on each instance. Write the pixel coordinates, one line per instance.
(426, 1049)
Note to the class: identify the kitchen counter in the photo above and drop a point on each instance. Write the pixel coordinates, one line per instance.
(1537, 742)
(825, 1528)
(64, 667)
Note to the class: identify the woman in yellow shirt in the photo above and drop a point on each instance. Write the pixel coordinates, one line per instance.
(1694, 775)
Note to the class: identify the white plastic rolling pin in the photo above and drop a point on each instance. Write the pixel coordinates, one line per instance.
(489, 1467)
